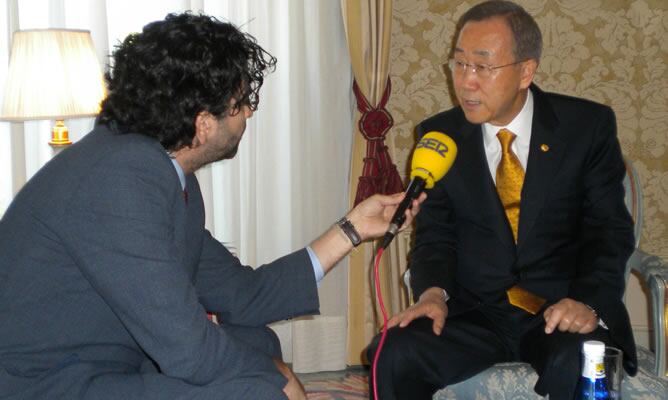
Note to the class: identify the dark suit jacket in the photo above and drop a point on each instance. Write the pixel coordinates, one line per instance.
(103, 264)
(575, 233)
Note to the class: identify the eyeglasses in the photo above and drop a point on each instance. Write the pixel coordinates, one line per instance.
(481, 70)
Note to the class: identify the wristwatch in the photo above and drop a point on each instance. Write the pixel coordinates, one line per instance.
(350, 231)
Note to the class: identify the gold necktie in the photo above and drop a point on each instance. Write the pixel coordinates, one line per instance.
(509, 180)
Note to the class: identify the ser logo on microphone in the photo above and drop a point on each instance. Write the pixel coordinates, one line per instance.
(433, 144)
(432, 158)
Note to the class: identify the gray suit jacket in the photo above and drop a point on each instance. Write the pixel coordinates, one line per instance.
(104, 266)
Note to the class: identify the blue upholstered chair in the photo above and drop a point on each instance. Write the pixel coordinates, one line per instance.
(516, 380)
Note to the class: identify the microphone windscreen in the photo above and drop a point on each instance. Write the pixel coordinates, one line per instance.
(433, 157)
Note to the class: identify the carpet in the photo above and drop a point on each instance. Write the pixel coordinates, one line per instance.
(346, 385)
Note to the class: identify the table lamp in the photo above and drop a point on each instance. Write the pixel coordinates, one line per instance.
(53, 74)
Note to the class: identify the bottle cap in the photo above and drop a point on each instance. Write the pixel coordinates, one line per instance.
(593, 347)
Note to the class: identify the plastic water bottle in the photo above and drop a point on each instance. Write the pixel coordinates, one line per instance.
(592, 384)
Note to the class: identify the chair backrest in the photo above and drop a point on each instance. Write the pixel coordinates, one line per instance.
(633, 200)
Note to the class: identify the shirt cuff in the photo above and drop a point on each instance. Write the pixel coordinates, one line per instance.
(317, 267)
(600, 321)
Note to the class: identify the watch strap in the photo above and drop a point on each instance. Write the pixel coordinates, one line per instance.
(350, 231)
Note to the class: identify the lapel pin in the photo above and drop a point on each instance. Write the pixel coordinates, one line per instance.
(544, 148)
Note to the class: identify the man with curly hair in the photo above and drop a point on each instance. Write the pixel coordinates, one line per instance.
(107, 297)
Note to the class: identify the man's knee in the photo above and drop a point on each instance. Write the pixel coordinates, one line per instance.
(561, 364)
(262, 338)
(267, 341)
(400, 346)
(390, 343)
(274, 344)
(564, 350)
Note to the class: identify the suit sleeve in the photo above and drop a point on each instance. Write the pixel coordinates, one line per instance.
(241, 295)
(606, 230)
(433, 260)
(120, 234)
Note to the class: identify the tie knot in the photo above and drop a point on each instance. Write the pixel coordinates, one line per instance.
(506, 137)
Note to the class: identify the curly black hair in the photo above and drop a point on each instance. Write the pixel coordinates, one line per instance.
(163, 77)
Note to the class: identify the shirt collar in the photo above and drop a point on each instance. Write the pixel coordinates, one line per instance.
(520, 125)
(179, 172)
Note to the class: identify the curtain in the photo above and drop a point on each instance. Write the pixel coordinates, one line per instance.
(5, 149)
(289, 181)
(368, 30)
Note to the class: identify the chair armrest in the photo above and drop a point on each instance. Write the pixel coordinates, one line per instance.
(654, 272)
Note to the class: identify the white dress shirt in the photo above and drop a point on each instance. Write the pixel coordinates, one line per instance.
(520, 126)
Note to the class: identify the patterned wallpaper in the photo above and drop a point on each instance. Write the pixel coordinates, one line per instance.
(611, 51)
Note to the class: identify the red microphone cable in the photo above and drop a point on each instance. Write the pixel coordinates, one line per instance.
(433, 156)
(379, 296)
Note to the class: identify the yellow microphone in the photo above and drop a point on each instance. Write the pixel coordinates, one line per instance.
(432, 159)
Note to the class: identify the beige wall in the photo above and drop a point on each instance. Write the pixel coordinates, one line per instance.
(611, 51)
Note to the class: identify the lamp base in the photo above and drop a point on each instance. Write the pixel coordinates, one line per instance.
(60, 134)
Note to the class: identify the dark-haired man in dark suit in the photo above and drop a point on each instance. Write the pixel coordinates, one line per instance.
(520, 250)
(106, 297)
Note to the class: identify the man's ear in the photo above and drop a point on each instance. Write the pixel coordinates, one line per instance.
(203, 126)
(528, 71)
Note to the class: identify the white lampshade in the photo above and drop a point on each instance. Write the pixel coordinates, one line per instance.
(53, 74)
